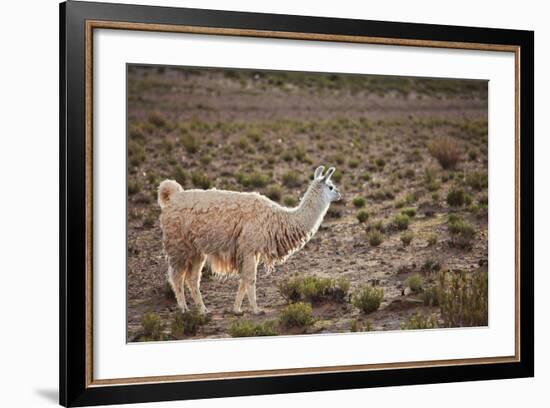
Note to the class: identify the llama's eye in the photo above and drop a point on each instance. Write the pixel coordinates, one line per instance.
(331, 187)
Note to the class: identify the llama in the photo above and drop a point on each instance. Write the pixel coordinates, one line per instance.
(235, 232)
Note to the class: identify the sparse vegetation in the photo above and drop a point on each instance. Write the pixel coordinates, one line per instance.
(462, 233)
(151, 325)
(446, 151)
(362, 216)
(407, 237)
(415, 283)
(247, 328)
(313, 289)
(375, 237)
(426, 167)
(401, 221)
(419, 322)
(463, 298)
(297, 315)
(368, 299)
(188, 323)
(359, 202)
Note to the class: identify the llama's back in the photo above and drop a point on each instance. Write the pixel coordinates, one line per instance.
(221, 224)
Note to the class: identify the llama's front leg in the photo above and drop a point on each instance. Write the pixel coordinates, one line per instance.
(250, 271)
(194, 281)
(177, 282)
(239, 298)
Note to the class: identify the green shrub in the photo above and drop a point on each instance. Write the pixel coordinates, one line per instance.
(291, 179)
(190, 144)
(254, 179)
(134, 187)
(415, 283)
(401, 221)
(297, 315)
(274, 192)
(456, 197)
(477, 180)
(200, 180)
(432, 239)
(463, 298)
(419, 322)
(313, 289)
(246, 328)
(180, 175)
(407, 237)
(336, 176)
(188, 323)
(410, 212)
(375, 237)
(446, 151)
(430, 296)
(462, 233)
(157, 119)
(353, 163)
(368, 299)
(359, 202)
(136, 153)
(430, 266)
(152, 326)
(290, 201)
(362, 216)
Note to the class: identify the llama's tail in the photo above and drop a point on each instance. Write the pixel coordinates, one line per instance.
(166, 190)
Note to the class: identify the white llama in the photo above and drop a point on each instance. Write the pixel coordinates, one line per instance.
(235, 232)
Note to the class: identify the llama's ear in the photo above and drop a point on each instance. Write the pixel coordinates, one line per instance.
(326, 177)
(318, 172)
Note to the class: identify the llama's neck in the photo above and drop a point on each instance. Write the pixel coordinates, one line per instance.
(311, 211)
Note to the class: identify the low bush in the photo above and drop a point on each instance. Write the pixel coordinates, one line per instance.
(368, 299)
(157, 119)
(200, 180)
(134, 187)
(247, 328)
(190, 143)
(274, 192)
(290, 201)
(254, 179)
(314, 289)
(152, 326)
(188, 323)
(419, 322)
(407, 237)
(410, 212)
(463, 298)
(292, 179)
(456, 197)
(462, 233)
(297, 315)
(375, 237)
(446, 151)
(359, 202)
(432, 239)
(362, 216)
(401, 221)
(415, 283)
(477, 180)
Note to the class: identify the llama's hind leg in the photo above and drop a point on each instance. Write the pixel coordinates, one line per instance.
(194, 280)
(177, 282)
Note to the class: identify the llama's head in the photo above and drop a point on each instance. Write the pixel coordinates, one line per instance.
(323, 183)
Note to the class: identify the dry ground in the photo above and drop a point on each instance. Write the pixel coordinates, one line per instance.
(214, 128)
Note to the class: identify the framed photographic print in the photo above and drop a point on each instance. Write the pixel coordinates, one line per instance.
(255, 203)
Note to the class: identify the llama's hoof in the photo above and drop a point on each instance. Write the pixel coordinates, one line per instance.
(238, 312)
(205, 312)
(258, 312)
